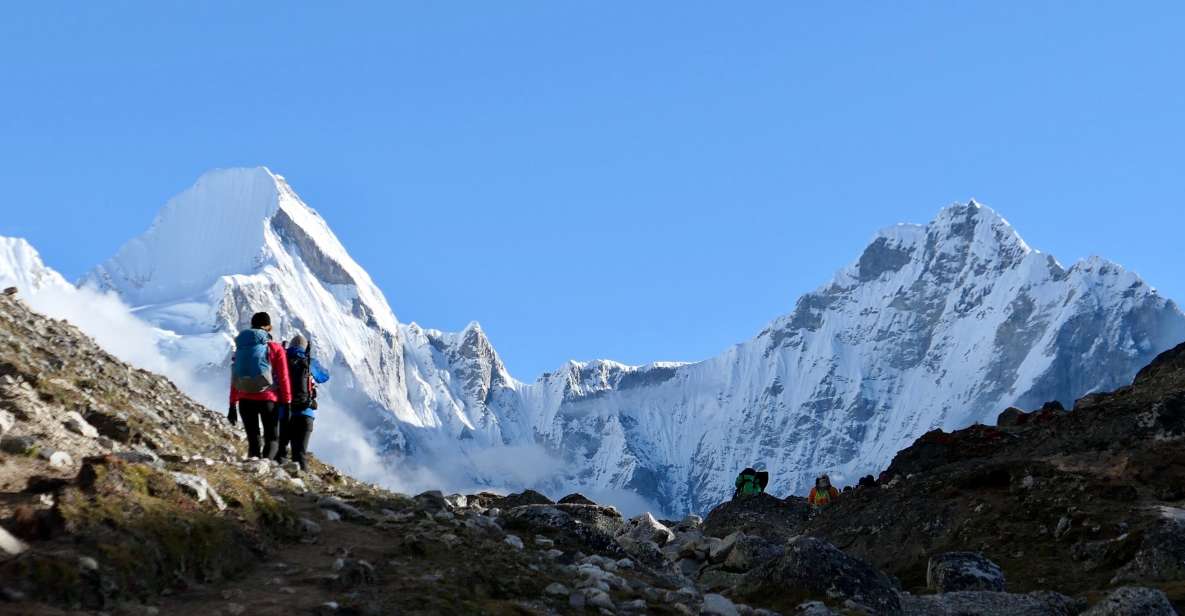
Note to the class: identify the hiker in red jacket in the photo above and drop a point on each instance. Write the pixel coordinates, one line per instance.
(259, 385)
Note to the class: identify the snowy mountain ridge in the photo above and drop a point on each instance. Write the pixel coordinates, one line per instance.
(937, 325)
(21, 266)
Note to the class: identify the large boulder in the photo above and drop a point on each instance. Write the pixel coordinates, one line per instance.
(987, 602)
(197, 487)
(1133, 601)
(761, 515)
(1161, 557)
(11, 545)
(958, 571)
(645, 527)
(592, 525)
(518, 499)
(750, 551)
(576, 498)
(814, 569)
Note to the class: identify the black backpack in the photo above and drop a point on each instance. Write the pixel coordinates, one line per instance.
(298, 375)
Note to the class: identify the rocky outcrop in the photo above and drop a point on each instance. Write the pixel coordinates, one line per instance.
(987, 602)
(1133, 601)
(810, 569)
(761, 515)
(593, 526)
(963, 571)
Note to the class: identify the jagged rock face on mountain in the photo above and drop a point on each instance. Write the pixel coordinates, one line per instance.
(933, 326)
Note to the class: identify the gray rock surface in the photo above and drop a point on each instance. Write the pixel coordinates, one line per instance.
(989, 603)
(9, 544)
(811, 568)
(958, 571)
(749, 552)
(645, 527)
(200, 489)
(1133, 601)
(75, 423)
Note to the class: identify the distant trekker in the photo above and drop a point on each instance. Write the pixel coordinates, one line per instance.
(297, 424)
(751, 482)
(823, 494)
(258, 385)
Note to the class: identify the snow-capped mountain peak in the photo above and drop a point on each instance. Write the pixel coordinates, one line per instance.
(21, 266)
(234, 222)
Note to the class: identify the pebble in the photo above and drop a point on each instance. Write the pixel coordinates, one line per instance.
(11, 545)
(17, 445)
(75, 423)
(7, 421)
(595, 597)
(88, 563)
(514, 542)
(557, 589)
(718, 605)
(60, 459)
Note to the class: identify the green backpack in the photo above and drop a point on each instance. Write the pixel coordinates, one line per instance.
(751, 482)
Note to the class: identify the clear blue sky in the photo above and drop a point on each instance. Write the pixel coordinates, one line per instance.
(639, 181)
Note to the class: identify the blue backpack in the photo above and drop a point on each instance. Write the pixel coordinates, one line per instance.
(252, 369)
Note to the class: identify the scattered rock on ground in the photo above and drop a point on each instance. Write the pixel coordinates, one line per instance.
(814, 569)
(718, 605)
(576, 498)
(958, 571)
(61, 459)
(10, 545)
(75, 423)
(518, 499)
(990, 602)
(17, 445)
(197, 487)
(749, 552)
(645, 527)
(341, 507)
(1133, 601)
(761, 514)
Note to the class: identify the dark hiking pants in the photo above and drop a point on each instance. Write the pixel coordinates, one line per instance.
(294, 413)
(285, 437)
(300, 428)
(254, 414)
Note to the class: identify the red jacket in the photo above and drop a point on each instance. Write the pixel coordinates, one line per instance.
(281, 391)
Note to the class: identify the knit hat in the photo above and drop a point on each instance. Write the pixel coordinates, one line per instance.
(260, 320)
(298, 342)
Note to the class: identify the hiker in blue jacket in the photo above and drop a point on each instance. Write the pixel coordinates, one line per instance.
(297, 425)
